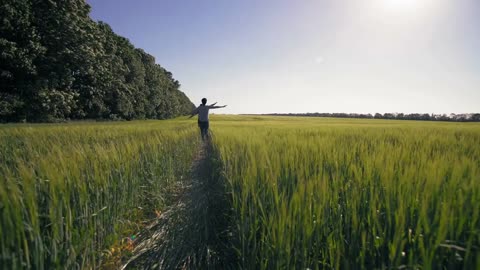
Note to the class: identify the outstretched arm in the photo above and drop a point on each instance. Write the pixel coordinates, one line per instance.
(217, 107)
(194, 112)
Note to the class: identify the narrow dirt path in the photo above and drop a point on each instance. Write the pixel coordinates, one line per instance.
(194, 232)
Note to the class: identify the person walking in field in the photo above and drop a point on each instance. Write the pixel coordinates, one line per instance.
(202, 112)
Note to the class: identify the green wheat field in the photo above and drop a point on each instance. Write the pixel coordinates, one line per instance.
(305, 193)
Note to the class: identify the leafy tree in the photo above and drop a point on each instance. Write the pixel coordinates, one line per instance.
(476, 117)
(56, 63)
(19, 47)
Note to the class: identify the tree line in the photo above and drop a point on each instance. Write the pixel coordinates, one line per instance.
(468, 117)
(56, 63)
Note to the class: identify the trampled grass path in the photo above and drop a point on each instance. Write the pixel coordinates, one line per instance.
(194, 232)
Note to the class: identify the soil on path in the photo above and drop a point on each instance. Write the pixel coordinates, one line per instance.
(194, 232)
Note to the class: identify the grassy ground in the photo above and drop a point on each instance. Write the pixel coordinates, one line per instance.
(298, 193)
(70, 191)
(315, 193)
(195, 232)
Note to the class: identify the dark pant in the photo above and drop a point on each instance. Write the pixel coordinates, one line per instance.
(203, 129)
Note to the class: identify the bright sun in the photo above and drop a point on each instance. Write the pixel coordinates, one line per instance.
(405, 5)
(405, 12)
(401, 4)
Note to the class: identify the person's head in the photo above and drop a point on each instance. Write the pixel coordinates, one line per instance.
(204, 101)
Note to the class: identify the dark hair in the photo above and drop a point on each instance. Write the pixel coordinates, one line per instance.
(204, 101)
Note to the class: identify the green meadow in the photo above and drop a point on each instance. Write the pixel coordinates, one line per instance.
(312, 193)
(69, 191)
(305, 193)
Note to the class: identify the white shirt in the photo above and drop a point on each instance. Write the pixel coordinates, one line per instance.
(202, 111)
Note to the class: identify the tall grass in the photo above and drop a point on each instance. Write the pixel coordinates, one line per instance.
(67, 191)
(352, 194)
(306, 193)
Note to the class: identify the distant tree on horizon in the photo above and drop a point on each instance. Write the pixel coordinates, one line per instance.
(471, 117)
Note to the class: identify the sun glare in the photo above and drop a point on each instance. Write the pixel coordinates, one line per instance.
(402, 5)
(406, 5)
(401, 11)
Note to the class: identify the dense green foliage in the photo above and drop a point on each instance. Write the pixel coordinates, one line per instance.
(69, 191)
(56, 63)
(319, 193)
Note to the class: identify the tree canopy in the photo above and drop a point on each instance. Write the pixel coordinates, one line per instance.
(56, 63)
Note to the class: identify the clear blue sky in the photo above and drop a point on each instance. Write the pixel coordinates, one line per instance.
(362, 56)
